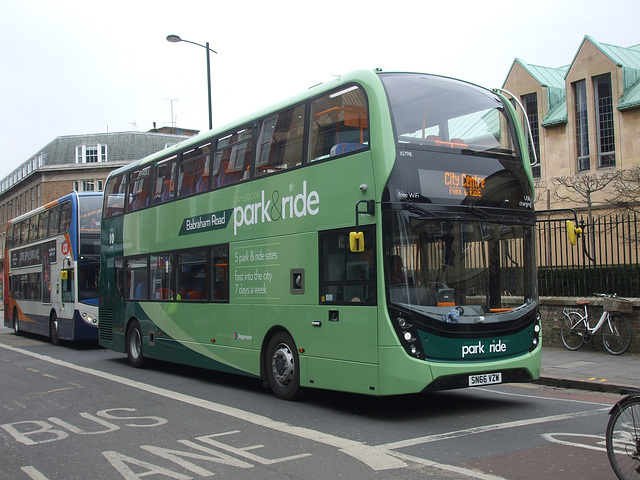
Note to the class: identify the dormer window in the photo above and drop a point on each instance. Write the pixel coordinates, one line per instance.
(91, 153)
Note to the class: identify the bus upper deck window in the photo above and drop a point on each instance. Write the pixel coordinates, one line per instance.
(339, 123)
(194, 171)
(139, 187)
(279, 145)
(114, 196)
(164, 188)
(232, 158)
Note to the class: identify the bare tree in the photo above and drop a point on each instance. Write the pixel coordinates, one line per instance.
(627, 187)
(580, 189)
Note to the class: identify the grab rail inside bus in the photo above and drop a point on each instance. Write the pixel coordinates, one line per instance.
(533, 150)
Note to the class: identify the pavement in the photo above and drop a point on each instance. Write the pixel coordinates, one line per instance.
(585, 369)
(589, 369)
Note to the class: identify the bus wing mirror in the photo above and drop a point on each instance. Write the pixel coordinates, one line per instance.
(356, 242)
(572, 232)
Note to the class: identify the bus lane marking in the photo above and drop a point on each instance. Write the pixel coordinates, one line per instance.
(600, 440)
(374, 457)
(378, 457)
(411, 442)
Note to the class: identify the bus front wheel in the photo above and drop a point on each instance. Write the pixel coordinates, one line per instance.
(134, 344)
(54, 329)
(282, 366)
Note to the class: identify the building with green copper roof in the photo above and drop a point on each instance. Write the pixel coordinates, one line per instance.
(584, 116)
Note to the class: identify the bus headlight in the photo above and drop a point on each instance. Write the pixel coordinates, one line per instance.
(89, 318)
(408, 334)
(537, 328)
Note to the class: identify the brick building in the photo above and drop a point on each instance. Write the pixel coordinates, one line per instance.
(74, 162)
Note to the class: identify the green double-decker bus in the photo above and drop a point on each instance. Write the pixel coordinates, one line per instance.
(371, 235)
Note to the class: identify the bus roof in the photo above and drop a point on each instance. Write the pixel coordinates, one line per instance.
(365, 76)
(53, 204)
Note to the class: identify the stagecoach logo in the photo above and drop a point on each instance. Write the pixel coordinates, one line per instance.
(237, 336)
(205, 223)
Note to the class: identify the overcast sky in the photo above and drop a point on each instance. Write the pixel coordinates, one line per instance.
(71, 67)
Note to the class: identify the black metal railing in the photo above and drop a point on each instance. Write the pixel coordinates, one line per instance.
(605, 259)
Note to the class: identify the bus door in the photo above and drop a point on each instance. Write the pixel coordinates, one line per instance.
(67, 276)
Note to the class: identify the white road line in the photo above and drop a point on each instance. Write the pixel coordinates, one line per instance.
(381, 457)
(551, 437)
(540, 397)
(488, 428)
(374, 457)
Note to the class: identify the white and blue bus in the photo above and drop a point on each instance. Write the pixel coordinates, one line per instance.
(52, 261)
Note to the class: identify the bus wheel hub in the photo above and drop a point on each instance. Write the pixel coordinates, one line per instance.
(283, 365)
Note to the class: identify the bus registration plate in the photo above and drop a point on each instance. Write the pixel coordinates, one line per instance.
(485, 379)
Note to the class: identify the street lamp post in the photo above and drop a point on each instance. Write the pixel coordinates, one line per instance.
(176, 39)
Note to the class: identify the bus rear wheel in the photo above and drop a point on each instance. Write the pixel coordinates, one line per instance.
(54, 329)
(16, 322)
(282, 366)
(134, 344)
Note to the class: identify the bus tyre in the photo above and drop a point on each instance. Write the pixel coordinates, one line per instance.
(16, 322)
(134, 344)
(282, 366)
(54, 326)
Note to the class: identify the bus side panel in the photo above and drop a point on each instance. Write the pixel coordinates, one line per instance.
(342, 376)
(401, 374)
(214, 338)
(32, 323)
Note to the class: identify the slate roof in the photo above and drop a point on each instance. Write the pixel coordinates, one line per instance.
(122, 148)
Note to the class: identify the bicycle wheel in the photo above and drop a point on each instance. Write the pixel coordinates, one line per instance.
(573, 330)
(623, 438)
(616, 334)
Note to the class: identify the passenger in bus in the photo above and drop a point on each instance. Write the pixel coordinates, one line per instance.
(183, 293)
(397, 274)
(367, 271)
(141, 291)
(140, 200)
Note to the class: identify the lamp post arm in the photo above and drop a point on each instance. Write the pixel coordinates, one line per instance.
(176, 39)
(199, 44)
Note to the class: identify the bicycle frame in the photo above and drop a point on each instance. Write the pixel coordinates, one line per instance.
(576, 329)
(585, 318)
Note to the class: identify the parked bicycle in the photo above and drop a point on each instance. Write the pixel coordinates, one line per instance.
(616, 329)
(623, 436)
